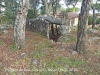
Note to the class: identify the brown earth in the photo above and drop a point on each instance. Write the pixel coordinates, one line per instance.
(47, 53)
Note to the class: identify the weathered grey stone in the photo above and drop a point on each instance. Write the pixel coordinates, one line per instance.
(63, 29)
(20, 74)
(2, 27)
(67, 66)
(59, 43)
(61, 49)
(41, 24)
(44, 50)
(22, 55)
(74, 53)
(32, 53)
(51, 19)
(39, 65)
(95, 38)
(5, 31)
(37, 25)
(63, 38)
(36, 45)
(34, 61)
(51, 41)
(89, 31)
(73, 69)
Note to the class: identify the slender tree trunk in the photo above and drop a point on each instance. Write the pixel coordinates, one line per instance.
(94, 18)
(83, 18)
(34, 6)
(50, 5)
(19, 28)
(46, 10)
(52, 28)
(55, 7)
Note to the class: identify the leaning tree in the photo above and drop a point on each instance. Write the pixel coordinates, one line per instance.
(19, 27)
(81, 33)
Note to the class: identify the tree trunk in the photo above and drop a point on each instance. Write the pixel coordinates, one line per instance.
(55, 7)
(19, 28)
(52, 28)
(34, 6)
(73, 8)
(94, 18)
(46, 10)
(50, 5)
(83, 18)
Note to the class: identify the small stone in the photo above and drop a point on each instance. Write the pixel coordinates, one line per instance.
(63, 49)
(51, 41)
(22, 55)
(74, 52)
(59, 43)
(44, 50)
(36, 45)
(67, 66)
(95, 38)
(91, 31)
(31, 53)
(5, 32)
(34, 61)
(39, 65)
(55, 55)
(20, 74)
(73, 69)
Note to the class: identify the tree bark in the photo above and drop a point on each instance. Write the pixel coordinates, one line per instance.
(46, 10)
(51, 5)
(94, 18)
(19, 28)
(83, 18)
(34, 6)
(52, 28)
(55, 7)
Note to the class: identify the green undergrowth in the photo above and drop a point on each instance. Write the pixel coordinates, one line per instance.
(1, 42)
(12, 47)
(61, 62)
(71, 40)
(41, 47)
(39, 34)
(61, 65)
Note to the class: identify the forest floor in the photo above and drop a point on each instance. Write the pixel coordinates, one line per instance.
(42, 56)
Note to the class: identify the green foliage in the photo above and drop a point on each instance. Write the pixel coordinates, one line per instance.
(10, 11)
(61, 62)
(63, 9)
(30, 14)
(39, 49)
(98, 21)
(97, 6)
(39, 34)
(12, 47)
(72, 9)
(48, 73)
(5, 20)
(1, 42)
(71, 40)
(12, 72)
(90, 20)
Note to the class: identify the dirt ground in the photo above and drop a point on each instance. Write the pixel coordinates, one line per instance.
(42, 56)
